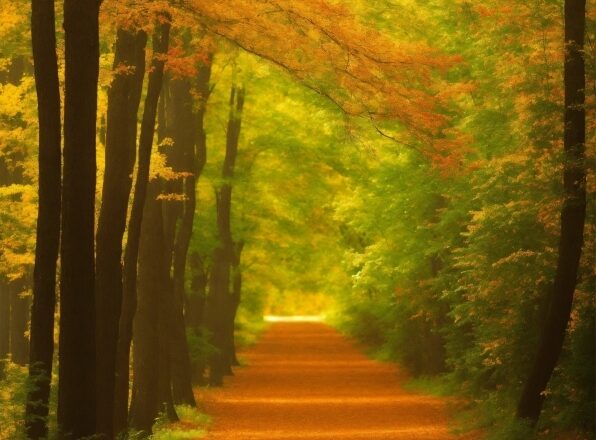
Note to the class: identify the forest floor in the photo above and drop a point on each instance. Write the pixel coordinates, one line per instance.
(307, 381)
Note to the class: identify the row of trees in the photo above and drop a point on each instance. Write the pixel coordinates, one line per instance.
(136, 294)
(110, 292)
(481, 267)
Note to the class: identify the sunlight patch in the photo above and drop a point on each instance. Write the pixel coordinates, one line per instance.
(294, 318)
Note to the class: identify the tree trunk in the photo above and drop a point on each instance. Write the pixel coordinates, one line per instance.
(77, 394)
(195, 302)
(124, 95)
(217, 306)
(572, 217)
(195, 311)
(165, 325)
(41, 349)
(19, 318)
(147, 358)
(169, 216)
(4, 326)
(160, 47)
(184, 140)
(219, 295)
(235, 300)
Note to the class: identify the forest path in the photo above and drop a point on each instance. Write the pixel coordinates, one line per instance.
(306, 381)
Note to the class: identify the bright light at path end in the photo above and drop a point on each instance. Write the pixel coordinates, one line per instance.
(294, 318)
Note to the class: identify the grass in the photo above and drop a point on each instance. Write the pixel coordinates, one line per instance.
(192, 425)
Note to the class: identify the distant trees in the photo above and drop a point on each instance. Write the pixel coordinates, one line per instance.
(14, 300)
(219, 301)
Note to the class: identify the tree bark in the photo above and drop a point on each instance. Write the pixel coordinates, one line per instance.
(184, 140)
(124, 96)
(19, 318)
(147, 359)
(194, 312)
(165, 325)
(219, 296)
(4, 326)
(572, 217)
(168, 218)
(160, 47)
(236, 295)
(195, 302)
(41, 348)
(77, 393)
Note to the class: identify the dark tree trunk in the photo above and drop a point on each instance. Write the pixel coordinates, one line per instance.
(195, 311)
(196, 301)
(124, 95)
(41, 349)
(77, 393)
(169, 214)
(170, 126)
(217, 306)
(147, 358)
(4, 326)
(184, 140)
(235, 300)
(165, 325)
(160, 47)
(204, 90)
(19, 318)
(572, 216)
(219, 299)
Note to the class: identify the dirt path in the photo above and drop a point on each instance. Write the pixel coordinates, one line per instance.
(306, 381)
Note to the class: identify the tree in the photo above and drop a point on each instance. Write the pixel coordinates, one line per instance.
(219, 299)
(12, 173)
(236, 297)
(129, 300)
(184, 142)
(124, 96)
(148, 359)
(195, 300)
(4, 326)
(77, 390)
(573, 214)
(41, 349)
(19, 319)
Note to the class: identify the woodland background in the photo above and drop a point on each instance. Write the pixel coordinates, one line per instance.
(393, 164)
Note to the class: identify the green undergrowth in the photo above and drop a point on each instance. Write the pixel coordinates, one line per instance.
(13, 391)
(432, 385)
(249, 331)
(192, 425)
(14, 386)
